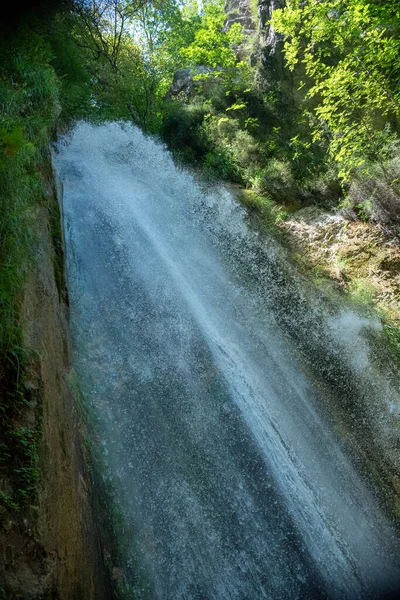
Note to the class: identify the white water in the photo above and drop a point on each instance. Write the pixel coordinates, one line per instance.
(229, 481)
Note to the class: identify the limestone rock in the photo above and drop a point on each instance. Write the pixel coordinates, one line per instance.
(184, 82)
(266, 9)
(239, 11)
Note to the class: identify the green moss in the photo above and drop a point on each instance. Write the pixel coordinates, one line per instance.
(361, 293)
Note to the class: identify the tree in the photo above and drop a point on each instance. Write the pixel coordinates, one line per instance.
(212, 44)
(106, 23)
(350, 53)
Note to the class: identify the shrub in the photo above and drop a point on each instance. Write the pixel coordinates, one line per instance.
(246, 150)
(220, 163)
(277, 181)
(221, 129)
(183, 132)
(375, 194)
(325, 188)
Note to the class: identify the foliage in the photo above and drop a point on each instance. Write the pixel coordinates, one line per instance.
(70, 64)
(219, 162)
(241, 126)
(375, 195)
(20, 458)
(212, 45)
(391, 334)
(350, 52)
(106, 24)
(183, 132)
(163, 30)
(124, 58)
(127, 54)
(28, 94)
(276, 180)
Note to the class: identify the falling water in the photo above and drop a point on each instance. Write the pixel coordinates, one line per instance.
(193, 342)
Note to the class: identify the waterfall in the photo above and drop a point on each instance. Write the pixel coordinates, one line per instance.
(213, 373)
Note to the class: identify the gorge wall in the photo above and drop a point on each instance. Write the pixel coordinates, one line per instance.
(51, 549)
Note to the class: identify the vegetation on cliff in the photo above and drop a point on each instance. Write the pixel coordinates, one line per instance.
(321, 129)
(44, 545)
(29, 99)
(349, 53)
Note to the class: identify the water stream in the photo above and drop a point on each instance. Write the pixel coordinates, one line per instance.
(230, 481)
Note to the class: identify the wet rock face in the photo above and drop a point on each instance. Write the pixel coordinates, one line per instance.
(239, 11)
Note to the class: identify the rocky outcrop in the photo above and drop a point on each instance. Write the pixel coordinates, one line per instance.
(266, 9)
(267, 52)
(240, 11)
(271, 61)
(185, 81)
(356, 255)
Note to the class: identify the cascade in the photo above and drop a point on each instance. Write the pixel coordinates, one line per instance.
(229, 478)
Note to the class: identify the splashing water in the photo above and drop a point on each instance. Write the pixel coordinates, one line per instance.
(229, 481)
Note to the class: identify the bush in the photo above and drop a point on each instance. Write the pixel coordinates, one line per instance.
(245, 149)
(183, 132)
(277, 181)
(220, 163)
(375, 194)
(75, 80)
(220, 129)
(325, 189)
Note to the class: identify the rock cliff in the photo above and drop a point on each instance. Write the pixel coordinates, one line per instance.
(51, 549)
(240, 11)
